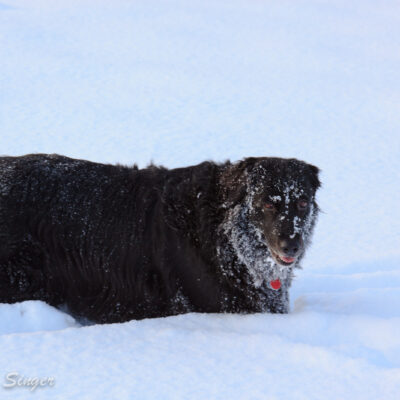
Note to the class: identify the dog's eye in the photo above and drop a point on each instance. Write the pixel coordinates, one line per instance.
(269, 206)
(302, 204)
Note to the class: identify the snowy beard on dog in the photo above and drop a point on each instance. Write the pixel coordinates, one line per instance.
(251, 250)
(250, 246)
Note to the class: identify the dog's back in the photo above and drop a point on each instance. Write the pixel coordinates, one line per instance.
(70, 229)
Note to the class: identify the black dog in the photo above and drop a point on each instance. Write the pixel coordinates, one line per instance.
(114, 243)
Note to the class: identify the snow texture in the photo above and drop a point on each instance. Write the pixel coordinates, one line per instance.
(179, 82)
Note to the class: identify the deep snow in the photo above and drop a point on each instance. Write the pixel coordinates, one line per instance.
(180, 82)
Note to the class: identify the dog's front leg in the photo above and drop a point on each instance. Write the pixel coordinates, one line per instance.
(277, 301)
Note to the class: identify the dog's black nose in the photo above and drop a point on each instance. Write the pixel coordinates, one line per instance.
(290, 247)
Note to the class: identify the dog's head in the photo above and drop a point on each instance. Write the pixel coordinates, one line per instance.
(275, 198)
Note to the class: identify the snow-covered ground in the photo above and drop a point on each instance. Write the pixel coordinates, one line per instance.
(178, 82)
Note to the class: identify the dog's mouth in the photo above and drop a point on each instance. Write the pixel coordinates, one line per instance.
(282, 259)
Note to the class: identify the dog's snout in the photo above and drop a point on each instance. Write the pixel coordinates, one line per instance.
(290, 247)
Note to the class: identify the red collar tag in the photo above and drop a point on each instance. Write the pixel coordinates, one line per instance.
(276, 285)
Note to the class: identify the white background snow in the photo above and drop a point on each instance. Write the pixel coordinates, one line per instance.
(178, 82)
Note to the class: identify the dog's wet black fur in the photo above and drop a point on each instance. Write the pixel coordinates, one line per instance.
(114, 243)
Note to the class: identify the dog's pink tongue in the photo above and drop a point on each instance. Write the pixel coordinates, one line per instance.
(275, 284)
(288, 259)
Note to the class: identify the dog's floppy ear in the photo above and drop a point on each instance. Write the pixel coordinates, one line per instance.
(314, 176)
(233, 181)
